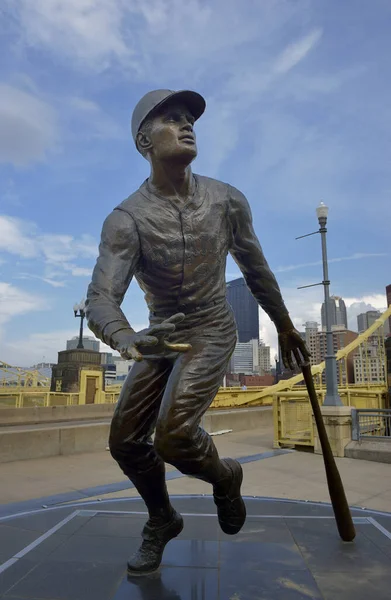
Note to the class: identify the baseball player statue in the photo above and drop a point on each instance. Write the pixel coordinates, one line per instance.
(173, 235)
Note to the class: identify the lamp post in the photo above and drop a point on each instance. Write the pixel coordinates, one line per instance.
(79, 310)
(332, 396)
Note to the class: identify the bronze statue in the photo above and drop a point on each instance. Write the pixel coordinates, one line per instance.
(173, 235)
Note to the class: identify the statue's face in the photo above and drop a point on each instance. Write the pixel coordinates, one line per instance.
(172, 136)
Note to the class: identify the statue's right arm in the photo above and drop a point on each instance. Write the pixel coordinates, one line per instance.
(119, 254)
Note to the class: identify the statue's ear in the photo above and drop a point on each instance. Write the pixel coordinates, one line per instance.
(144, 143)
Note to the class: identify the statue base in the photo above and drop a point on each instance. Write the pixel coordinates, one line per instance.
(287, 550)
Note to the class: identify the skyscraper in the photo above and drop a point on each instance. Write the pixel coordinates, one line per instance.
(388, 293)
(311, 340)
(338, 315)
(365, 320)
(264, 358)
(245, 358)
(245, 309)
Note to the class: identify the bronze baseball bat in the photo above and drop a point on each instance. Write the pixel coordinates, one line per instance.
(340, 505)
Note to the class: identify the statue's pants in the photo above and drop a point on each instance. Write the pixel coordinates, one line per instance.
(169, 395)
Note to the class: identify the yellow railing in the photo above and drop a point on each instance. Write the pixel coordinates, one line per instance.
(292, 414)
(291, 407)
(225, 398)
(10, 375)
(31, 398)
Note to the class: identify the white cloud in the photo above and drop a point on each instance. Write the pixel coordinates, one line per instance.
(44, 346)
(158, 40)
(36, 347)
(297, 51)
(356, 256)
(14, 301)
(357, 307)
(57, 252)
(377, 301)
(52, 282)
(171, 43)
(28, 126)
(77, 271)
(89, 31)
(16, 237)
(61, 248)
(88, 117)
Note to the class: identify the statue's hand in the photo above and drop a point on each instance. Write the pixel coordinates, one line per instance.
(291, 342)
(149, 341)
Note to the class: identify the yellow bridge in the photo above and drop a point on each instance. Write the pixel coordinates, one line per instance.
(292, 413)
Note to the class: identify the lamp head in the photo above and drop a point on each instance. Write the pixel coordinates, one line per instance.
(322, 211)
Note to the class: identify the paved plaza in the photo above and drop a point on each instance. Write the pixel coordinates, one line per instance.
(68, 525)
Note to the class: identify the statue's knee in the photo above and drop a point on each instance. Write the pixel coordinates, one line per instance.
(115, 447)
(120, 444)
(170, 442)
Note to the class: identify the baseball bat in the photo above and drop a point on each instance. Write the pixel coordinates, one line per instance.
(340, 505)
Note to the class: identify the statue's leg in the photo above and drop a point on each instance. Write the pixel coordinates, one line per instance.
(132, 426)
(180, 440)
(131, 445)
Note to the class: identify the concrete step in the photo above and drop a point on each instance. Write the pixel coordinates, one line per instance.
(377, 451)
(22, 442)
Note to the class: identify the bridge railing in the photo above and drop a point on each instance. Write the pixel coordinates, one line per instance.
(292, 413)
(370, 424)
(44, 397)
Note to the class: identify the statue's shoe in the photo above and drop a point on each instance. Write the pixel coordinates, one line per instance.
(231, 509)
(148, 557)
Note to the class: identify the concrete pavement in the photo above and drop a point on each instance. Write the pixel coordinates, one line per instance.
(293, 475)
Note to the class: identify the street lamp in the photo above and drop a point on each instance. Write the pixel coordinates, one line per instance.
(276, 361)
(79, 310)
(332, 396)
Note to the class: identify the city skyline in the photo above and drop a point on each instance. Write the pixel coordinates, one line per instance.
(288, 87)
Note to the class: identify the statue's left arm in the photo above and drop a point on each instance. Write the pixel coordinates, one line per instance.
(248, 254)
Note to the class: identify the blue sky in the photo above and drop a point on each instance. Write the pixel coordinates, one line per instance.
(298, 111)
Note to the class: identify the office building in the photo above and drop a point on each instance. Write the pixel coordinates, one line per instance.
(106, 358)
(116, 368)
(388, 362)
(311, 340)
(264, 358)
(370, 362)
(338, 314)
(341, 338)
(245, 358)
(89, 343)
(388, 294)
(122, 367)
(245, 309)
(365, 320)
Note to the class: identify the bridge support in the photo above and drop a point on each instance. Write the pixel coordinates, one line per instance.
(338, 423)
(79, 371)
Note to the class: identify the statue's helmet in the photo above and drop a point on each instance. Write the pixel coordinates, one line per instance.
(154, 100)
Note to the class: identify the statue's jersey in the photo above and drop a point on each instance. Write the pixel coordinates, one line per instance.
(177, 255)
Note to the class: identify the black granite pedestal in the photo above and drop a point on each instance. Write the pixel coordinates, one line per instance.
(286, 551)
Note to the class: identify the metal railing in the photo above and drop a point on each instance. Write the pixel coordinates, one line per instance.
(292, 412)
(34, 397)
(370, 424)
